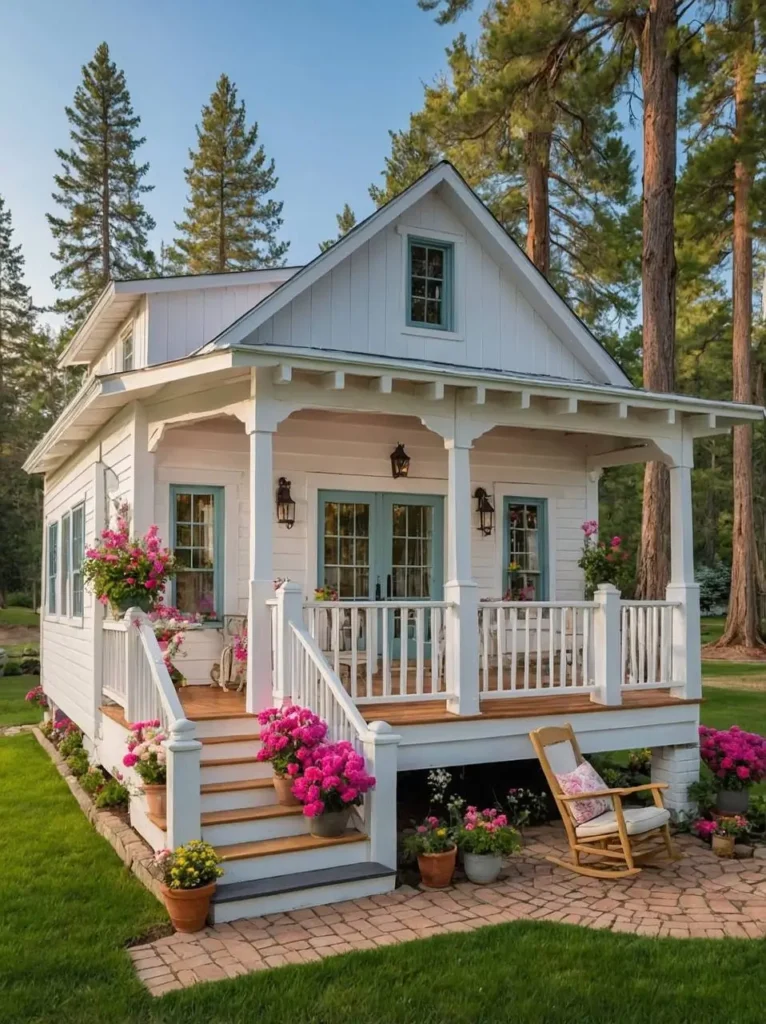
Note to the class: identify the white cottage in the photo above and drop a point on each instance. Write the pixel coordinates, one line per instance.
(439, 417)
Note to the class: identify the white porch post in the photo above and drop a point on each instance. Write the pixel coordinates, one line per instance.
(462, 661)
(380, 750)
(686, 657)
(289, 609)
(259, 685)
(184, 809)
(606, 645)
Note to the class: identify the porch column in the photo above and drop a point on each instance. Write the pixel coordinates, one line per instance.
(686, 658)
(259, 681)
(462, 639)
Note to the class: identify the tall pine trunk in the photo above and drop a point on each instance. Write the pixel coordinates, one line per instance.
(538, 158)
(659, 76)
(742, 619)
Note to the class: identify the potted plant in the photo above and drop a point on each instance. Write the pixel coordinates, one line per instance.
(737, 760)
(127, 573)
(147, 756)
(288, 735)
(170, 626)
(722, 832)
(325, 593)
(189, 877)
(485, 837)
(603, 561)
(332, 783)
(433, 843)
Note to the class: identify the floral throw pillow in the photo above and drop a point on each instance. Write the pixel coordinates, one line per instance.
(584, 779)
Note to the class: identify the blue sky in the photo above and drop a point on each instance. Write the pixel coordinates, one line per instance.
(324, 79)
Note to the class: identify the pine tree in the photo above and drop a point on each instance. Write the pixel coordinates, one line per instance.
(412, 154)
(346, 221)
(16, 315)
(230, 223)
(103, 231)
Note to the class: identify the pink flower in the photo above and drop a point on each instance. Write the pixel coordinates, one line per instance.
(129, 760)
(616, 541)
(590, 527)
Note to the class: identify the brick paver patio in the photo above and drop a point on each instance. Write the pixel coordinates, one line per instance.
(699, 896)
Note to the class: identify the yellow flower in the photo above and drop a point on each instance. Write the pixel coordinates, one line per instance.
(441, 831)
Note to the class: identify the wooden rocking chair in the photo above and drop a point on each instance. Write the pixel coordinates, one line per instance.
(621, 839)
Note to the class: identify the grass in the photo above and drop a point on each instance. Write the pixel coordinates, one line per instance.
(19, 617)
(13, 708)
(723, 708)
(69, 907)
(711, 627)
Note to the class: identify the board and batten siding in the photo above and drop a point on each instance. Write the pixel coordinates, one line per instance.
(360, 306)
(352, 452)
(68, 645)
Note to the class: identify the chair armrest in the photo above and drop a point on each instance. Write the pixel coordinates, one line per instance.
(614, 792)
(644, 787)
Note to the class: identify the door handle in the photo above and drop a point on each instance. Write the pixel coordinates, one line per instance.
(388, 587)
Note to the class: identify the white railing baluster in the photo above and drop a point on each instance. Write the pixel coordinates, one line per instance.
(484, 615)
(539, 649)
(404, 643)
(646, 644)
(514, 646)
(385, 658)
(420, 649)
(354, 650)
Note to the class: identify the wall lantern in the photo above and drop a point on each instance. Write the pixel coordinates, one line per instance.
(400, 462)
(486, 511)
(285, 504)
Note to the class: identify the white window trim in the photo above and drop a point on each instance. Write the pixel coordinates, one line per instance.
(459, 283)
(127, 330)
(78, 621)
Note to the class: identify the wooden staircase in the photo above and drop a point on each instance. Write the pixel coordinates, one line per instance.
(271, 862)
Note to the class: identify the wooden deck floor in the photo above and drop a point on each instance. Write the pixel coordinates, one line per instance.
(203, 703)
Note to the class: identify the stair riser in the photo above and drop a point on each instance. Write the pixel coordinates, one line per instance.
(239, 748)
(230, 772)
(236, 800)
(255, 831)
(300, 899)
(299, 860)
(228, 727)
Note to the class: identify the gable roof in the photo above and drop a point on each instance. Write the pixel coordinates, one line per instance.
(454, 190)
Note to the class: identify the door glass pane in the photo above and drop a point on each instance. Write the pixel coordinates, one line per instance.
(523, 573)
(195, 552)
(347, 549)
(411, 554)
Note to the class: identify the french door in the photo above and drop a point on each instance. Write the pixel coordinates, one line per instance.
(382, 547)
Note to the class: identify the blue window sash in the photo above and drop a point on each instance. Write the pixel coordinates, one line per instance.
(53, 557)
(66, 562)
(218, 548)
(78, 554)
(449, 269)
(541, 504)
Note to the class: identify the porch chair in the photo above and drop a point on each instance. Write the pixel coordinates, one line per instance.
(227, 669)
(620, 839)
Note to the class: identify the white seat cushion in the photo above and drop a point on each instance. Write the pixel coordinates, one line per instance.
(637, 821)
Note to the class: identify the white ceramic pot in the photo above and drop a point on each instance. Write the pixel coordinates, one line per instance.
(482, 868)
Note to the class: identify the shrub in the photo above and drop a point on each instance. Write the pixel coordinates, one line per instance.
(704, 793)
(525, 807)
(757, 814)
(288, 735)
(92, 781)
(715, 585)
(189, 866)
(78, 762)
(487, 832)
(71, 741)
(30, 662)
(37, 697)
(19, 599)
(603, 561)
(12, 668)
(146, 753)
(112, 794)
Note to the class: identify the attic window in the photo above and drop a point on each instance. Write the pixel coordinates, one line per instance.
(429, 284)
(127, 352)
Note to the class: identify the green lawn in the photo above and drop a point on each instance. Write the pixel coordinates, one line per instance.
(740, 669)
(723, 707)
(13, 708)
(18, 617)
(711, 627)
(69, 906)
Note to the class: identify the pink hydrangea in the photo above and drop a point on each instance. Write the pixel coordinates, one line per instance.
(735, 757)
(288, 735)
(336, 777)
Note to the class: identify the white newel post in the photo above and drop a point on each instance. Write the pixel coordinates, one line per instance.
(183, 786)
(380, 751)
(462, 633)
(261, 572)
(289, 609)
(683, 590)
(606, 645)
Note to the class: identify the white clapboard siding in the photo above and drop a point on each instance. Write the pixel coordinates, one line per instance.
(359, 306)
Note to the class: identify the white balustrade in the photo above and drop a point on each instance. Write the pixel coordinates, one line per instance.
(114, 676)
(383, 650)
(646, 644)
(535, 648)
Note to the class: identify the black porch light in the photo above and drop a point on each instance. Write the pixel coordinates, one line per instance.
(285, 504)
(400, 462)
(486, 511)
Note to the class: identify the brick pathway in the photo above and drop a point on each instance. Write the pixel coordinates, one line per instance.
(697, 897)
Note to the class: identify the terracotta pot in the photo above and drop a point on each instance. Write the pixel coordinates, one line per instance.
(436, 869)
(283, 786)
(156, 800)
(732, 801)
(188, 907)
(723, 846)
(330, 824)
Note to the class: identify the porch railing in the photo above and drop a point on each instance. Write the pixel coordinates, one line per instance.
(114, 674)
(536, 648)
(646, 644)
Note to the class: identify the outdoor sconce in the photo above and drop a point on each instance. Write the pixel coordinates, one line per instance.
(400, 462)
(486, 511)
(285, 504)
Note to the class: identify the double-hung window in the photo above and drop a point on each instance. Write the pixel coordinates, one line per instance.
(53, 561)
(66, 552)
(430, 268)
(78, 554)
(127, 352)
(525, 522)
(197, 537)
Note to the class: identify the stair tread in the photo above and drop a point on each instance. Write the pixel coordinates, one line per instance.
(240, 814)
(236, 786)
(288, 844)
(361, 871)
(214, 762)
(245, 737)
